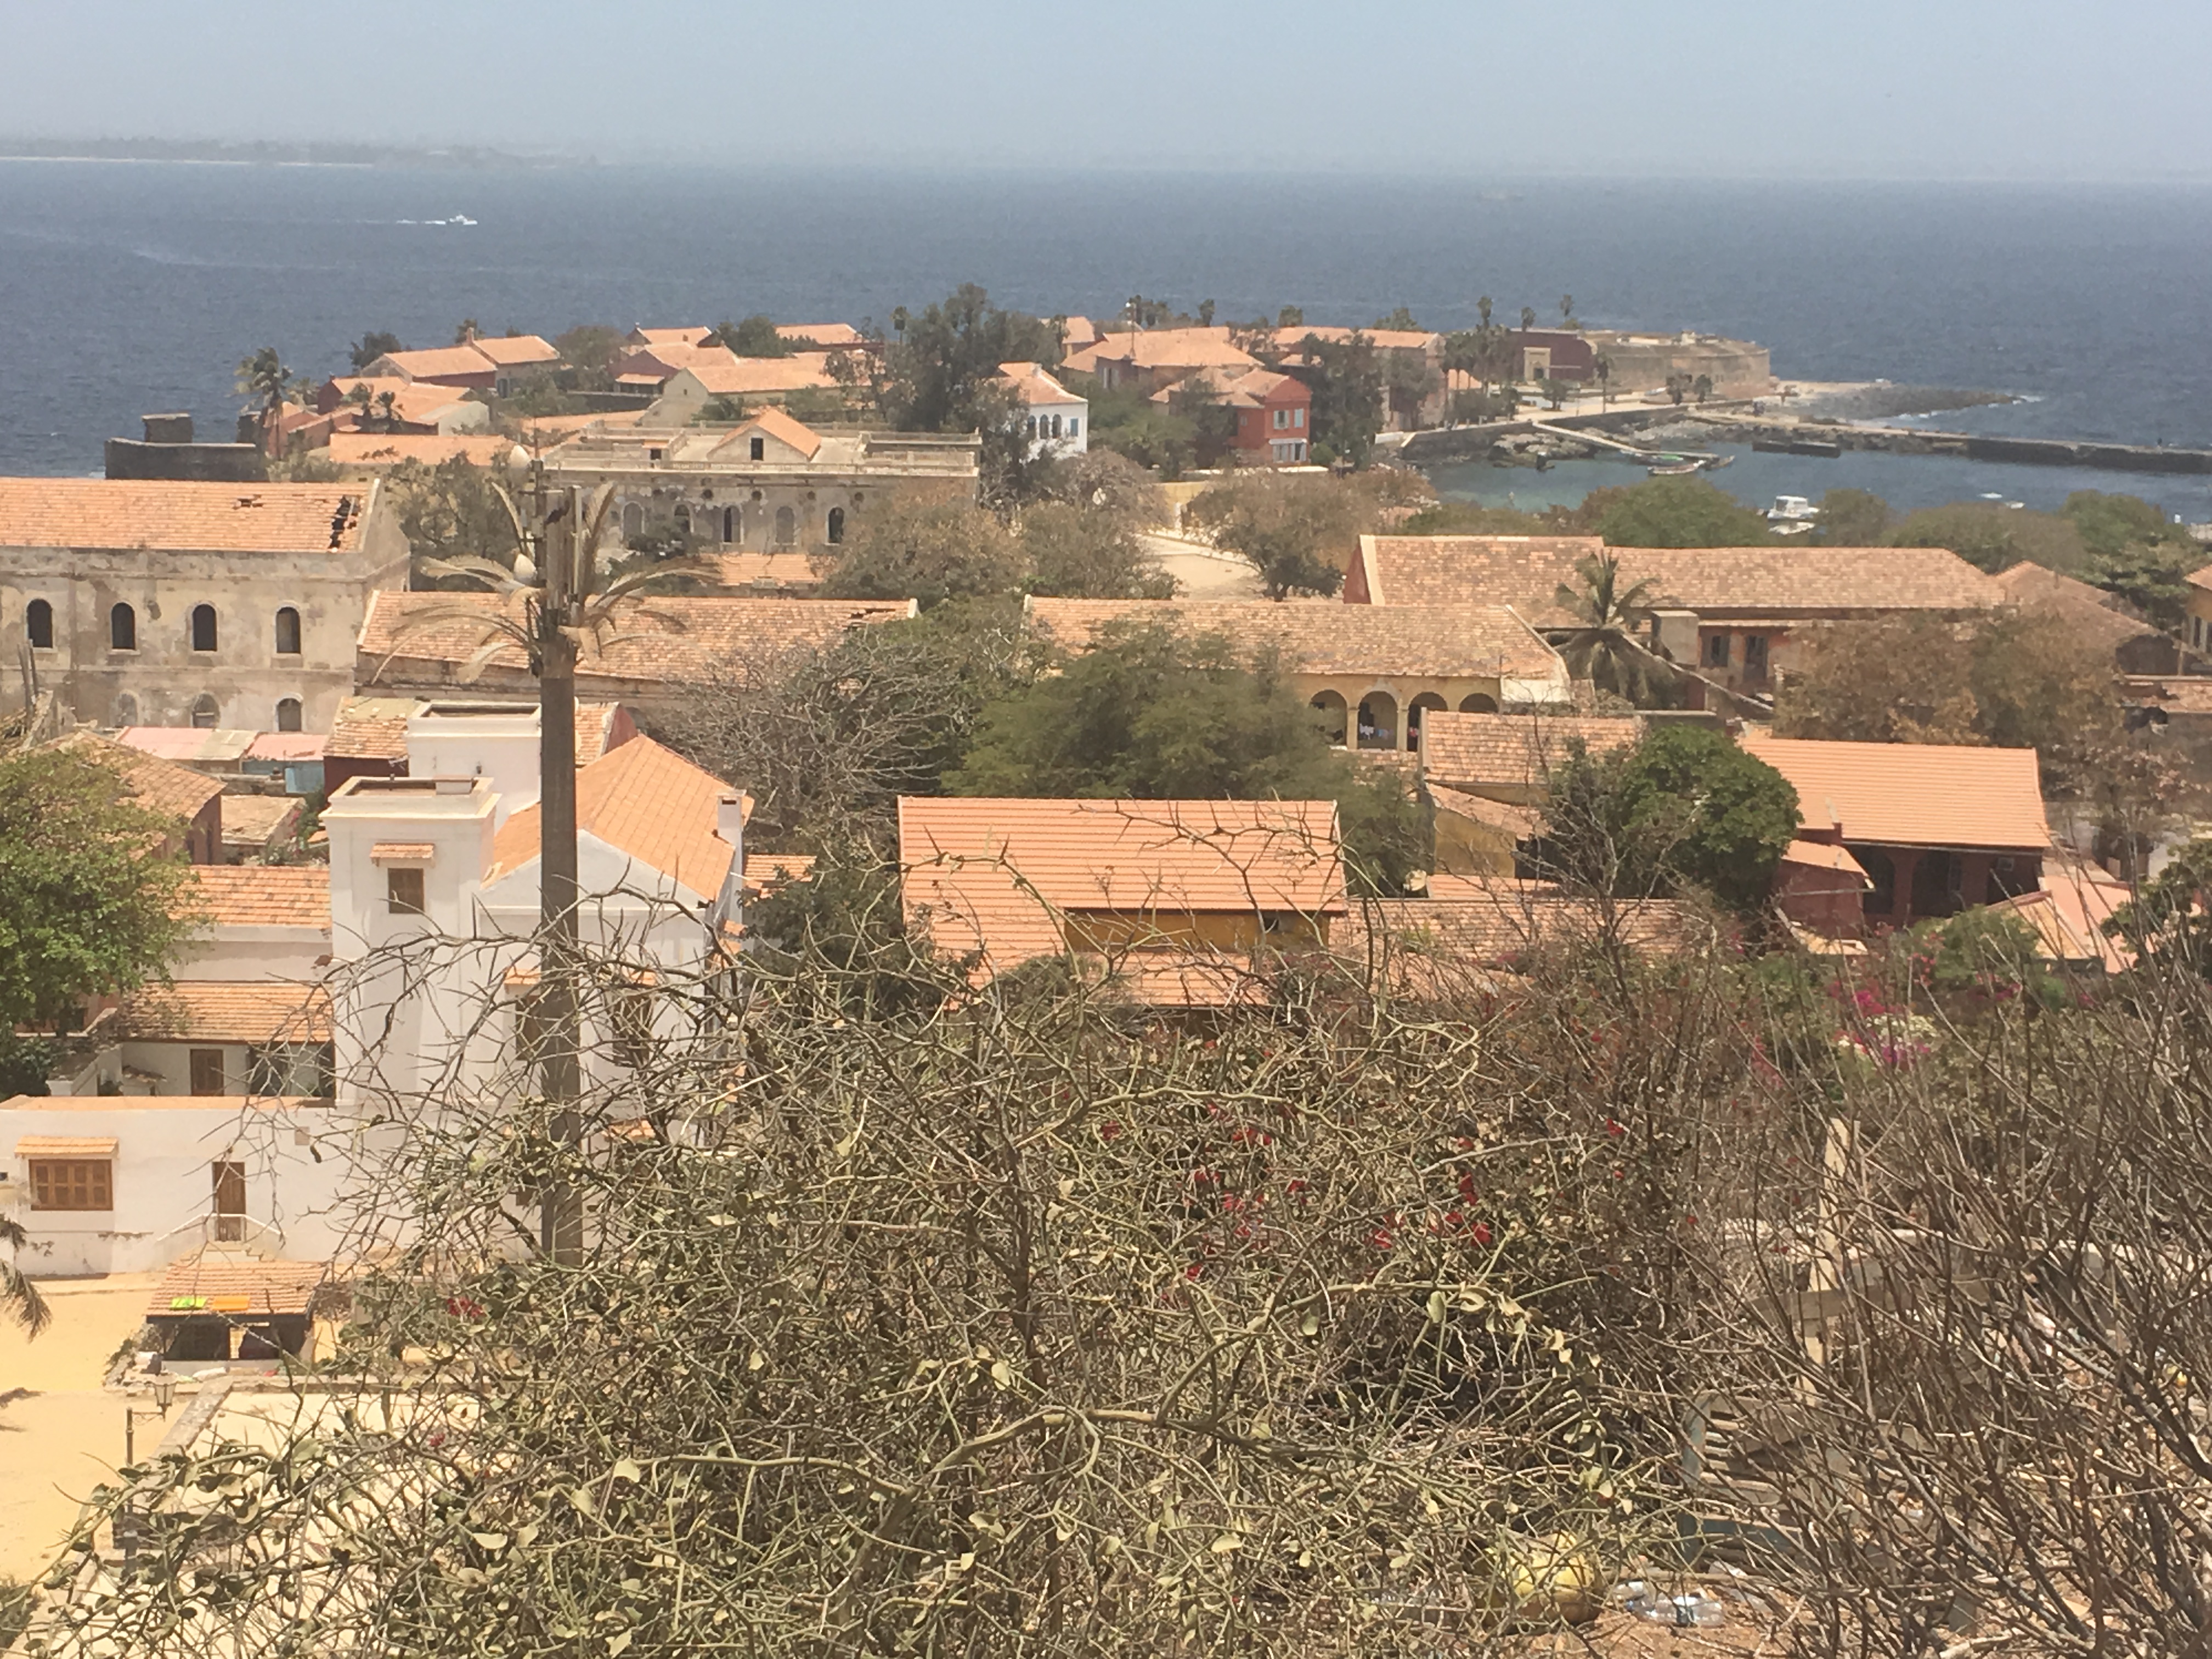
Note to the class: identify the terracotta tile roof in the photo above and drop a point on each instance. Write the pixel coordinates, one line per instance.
(66, 1146)
(381, 449)
(2200, 578)
(1249, 390)
(779, 425)
(1320, 636)
(1032, 385)
(644, 800)
(1080, 333)
(792, 572)
(656, 642)
(1288, 340)
(437, 363)
(834, 335)
(996, 875)
(181, 518)
(253, 821)
(764, 872)
(159, 786)
(1913, 794)
(658, 336)
(2091, 611)
(1163, 348)
(1514, 751)
(371, 728)
(403, 851)
(2067, 916)
(414, 401)
(1826, 855)
(659, 362)
(801, 371)
(260, 895)
(1497, 928)
(211, 1284)
(1759, 583)
(516, 350)
(1519, 822)
(286, 746)
(226, 1011)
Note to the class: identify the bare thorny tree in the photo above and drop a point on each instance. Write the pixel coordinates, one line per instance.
(1027, 1324)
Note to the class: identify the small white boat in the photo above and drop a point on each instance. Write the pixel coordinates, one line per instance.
(1792, 509)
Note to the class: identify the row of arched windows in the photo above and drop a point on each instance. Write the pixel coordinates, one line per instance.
(1379, 716)
(705, 521)
(122, 628)
(206, 712)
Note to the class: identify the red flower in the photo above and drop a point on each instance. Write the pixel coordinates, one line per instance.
(1467, 1189)
(1613, 1128)
(462, 1307)
(1194, 1270)
(1201, 1177)
(1482, 1234)
(1109, 1131)
(1296, 1184)
(1231, 1201)
(1380, 1239)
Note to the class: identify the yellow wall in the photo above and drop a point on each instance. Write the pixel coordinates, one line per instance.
(2197, 630)
(1352, 688)
(1465, 848)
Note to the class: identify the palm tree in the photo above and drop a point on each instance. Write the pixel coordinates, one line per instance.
(1601, 645)
(263, 378)
(19, 1298)
(1603, 369)
(1566, 311)
(387, 404)
(1527, 318)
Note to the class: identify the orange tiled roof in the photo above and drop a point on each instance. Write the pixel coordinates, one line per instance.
(644, 800)
(1164, 347)
(1288, 340)
(995, 875)
(213, 1284)
(655, 642)
(2090, 611)
(1514, 751)
(412, 400)
(791, 571)
(226, 1011)
(1249, 390)
(159, 786)
(660, 336)
(831, 335)
(1494, 927)
(1030, 383)
(371, 728)
(1913, 794)
(1519, 822)
(657, 362)
(1320, 636)
(801, 371)
(260, 895)
(66, 1146)
(1526, 572)
(390, 448)
(767, 871)
(516, 350)
(2067, 916)
(437, 363)
(779, 425)
(1826, 855)
(181, 518)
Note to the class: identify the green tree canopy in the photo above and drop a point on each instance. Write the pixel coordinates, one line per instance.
(1081, 552)
(1852, 518)
(589, 348)
(1991, 537)
(1349, 389)
(1684, 807)
(1150, 715)
(931, 553)
(371, 346)
(755, 337)
(88, 901)
(1687, 512)
(1300, 530)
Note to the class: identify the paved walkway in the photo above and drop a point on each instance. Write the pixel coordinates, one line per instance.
(1202, 572)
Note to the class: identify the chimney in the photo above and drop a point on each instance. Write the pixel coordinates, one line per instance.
(730, 821)
(168, 428)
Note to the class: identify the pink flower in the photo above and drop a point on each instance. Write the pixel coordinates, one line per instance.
(1482, 1234)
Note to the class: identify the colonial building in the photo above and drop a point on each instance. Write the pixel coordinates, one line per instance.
(1374, 674)
(1489, 778)
(1148, 359)
(764, 484)
(1273, 412)
(1055, 420)
(1735, 616)
(160, 603)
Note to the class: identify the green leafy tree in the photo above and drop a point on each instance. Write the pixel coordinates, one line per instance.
(1399, 321)
(1348, 387)
(1991, 537)
(1473, 518)
(1078, 552)
(1300, 533)
(1852, 518)
(1291, 316)
(450, 511)
(589, 348)
(951, 351)
(89, 900)
(1148, 715)
(1603, 645)
(1110, 486)
(1555, 392)
(1678, 387)
(371, 345)
(931, 553)
(1687, 511)
(1685, 807)
(2136, 554)
(754, 337)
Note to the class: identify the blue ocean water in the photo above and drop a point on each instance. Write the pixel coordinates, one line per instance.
(126, 288)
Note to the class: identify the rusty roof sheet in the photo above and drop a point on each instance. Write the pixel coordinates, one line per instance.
(1826, 855)
(259, 895)
(1319, 636)
(996, 875)
(1780, 582)
(643, 800)
(1913, 794)
(181, 518)
(226, 1011)
(1515, 751)
(654, 642)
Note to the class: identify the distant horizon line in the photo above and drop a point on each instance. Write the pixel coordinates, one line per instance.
(334, 153)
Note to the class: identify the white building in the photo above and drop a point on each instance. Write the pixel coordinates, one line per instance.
(1055, 420)
(213, 604)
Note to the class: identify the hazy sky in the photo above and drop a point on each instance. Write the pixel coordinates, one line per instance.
(1864, 88)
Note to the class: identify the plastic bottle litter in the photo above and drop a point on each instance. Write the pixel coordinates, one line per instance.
(1693, 1608)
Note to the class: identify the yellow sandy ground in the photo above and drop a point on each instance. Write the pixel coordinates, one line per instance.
(66, 1434)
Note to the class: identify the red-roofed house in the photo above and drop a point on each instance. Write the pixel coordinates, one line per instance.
(1936, 828)
(1272, 412)
(1055, 420)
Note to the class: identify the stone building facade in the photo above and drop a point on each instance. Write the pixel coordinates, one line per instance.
(144, 603)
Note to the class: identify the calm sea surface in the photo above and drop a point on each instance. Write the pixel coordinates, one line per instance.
(131, 288)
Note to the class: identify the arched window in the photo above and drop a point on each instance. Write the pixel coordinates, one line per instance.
(123, 629)
(205, 712)
(1378, 720)
(126, 710)
(836, 525)
(787, 527)
(202, 628)
(1478, 704)
(1332, 711)
(39, 625)
(633, 521)
(287, 714)
(729, 523)
(1055, 425)
(287, 632)
(1418, 707)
